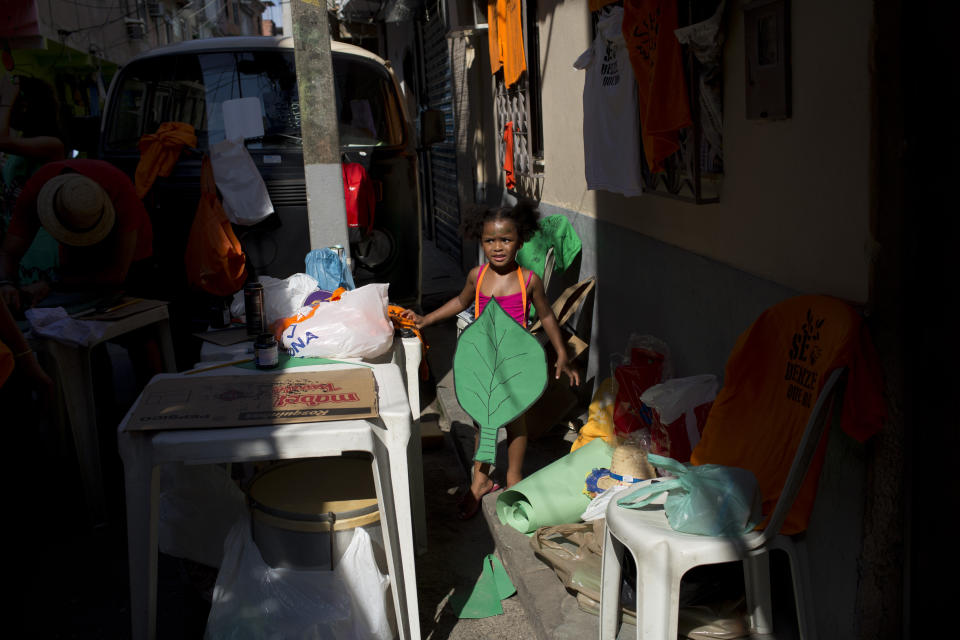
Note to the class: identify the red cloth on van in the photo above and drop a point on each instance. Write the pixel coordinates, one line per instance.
(359, 196)
(654, 50)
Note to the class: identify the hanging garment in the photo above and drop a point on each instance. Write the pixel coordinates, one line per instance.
(772, 379)
(648, 27)
(160, 151)
(557, 232)
(505, 33)
(611, 149)
(511, 180)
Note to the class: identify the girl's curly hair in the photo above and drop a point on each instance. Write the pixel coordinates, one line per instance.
(524, 215)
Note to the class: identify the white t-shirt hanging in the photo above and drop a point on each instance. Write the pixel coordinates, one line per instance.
(611, 135)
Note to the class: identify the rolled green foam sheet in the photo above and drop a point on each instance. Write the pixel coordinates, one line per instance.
(553, 495)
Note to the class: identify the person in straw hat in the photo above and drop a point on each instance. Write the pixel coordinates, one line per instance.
(91, 208)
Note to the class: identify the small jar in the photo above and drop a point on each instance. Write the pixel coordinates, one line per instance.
(266, 354)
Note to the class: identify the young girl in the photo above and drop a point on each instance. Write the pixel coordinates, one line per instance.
(501, 232)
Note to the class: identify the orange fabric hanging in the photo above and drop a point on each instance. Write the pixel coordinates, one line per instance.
(493, 37)
(505, 34)
(648, 27)
(511, 179)
(160, 151)
(214, 259)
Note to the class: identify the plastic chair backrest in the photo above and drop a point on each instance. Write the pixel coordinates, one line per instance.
(829, 398)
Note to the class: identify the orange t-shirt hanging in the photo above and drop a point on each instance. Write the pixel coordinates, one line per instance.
(505, 33)
(648, 27)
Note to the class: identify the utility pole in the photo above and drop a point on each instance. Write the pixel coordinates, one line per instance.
(326, 211)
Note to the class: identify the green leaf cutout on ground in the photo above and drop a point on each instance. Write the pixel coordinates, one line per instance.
(499, 370)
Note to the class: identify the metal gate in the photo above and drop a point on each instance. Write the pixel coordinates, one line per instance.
(444, 210)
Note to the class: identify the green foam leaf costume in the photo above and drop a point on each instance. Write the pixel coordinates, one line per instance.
(499, 370)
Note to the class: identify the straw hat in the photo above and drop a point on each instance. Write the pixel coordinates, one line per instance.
(629, 465)
(75, 210)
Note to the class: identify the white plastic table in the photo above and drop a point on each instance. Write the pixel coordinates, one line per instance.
(395, 451)
(74, 371)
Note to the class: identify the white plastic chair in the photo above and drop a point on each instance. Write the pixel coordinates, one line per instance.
(663, 555)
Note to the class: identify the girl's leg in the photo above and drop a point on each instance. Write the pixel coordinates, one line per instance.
(480, 485)
(481, 482)
(516, 450)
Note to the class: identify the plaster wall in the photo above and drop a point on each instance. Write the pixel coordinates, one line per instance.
(794, 205)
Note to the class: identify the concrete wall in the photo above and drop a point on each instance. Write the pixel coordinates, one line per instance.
(794, 206)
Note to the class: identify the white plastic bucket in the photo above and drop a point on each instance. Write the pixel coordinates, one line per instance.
(304, 514)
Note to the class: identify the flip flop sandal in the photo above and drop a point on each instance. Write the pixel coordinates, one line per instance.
(468, 506)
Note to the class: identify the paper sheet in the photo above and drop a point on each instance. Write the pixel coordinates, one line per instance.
(553, 495)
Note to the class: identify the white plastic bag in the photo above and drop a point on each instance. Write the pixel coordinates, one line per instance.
(252, 600)
(198, 506)
(356, 326)
(281, 298)
(680, 407)
(367, 586)
(245, 197)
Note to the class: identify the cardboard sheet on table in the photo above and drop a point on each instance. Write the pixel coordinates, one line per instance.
(553, 495)
(123, 308)
(208, 402)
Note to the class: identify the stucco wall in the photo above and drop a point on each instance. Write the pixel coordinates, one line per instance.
(794, 206)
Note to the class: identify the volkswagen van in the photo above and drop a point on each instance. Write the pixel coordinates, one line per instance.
(190, 81)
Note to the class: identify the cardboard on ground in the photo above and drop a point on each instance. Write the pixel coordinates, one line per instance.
(208, 402)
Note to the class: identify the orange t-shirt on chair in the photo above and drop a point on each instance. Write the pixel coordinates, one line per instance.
(773, 377)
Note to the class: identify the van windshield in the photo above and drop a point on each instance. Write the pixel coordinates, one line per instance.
(193, 88)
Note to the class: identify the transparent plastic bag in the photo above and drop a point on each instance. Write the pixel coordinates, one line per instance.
(253, 601)
(707, 499)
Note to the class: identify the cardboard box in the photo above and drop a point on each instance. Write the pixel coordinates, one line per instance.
(207, 402)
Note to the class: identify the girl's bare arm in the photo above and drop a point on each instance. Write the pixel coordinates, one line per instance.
(552, 329)
(450, 308)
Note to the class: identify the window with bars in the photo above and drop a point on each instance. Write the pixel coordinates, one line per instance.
(520, 104)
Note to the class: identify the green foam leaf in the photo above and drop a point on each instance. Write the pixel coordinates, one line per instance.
(499, 370)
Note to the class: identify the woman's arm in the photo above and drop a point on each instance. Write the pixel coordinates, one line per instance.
(450, 308)
(552, 329)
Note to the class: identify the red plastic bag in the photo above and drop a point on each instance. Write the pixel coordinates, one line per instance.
(646, 368)
(214, 258)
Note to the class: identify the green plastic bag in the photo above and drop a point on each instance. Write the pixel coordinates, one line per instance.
(706, 499)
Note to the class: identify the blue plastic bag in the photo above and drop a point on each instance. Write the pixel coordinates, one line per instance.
(706, 499)
(329, 269)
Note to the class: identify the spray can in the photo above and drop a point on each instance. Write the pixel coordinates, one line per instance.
(253, 306)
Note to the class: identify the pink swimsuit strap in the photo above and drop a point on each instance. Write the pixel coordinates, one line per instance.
(514, 304)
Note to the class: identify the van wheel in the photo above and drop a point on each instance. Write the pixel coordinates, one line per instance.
(376, 252)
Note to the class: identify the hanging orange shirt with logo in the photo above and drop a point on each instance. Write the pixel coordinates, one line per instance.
(505, 34)
(772, 380)
(654, 50)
